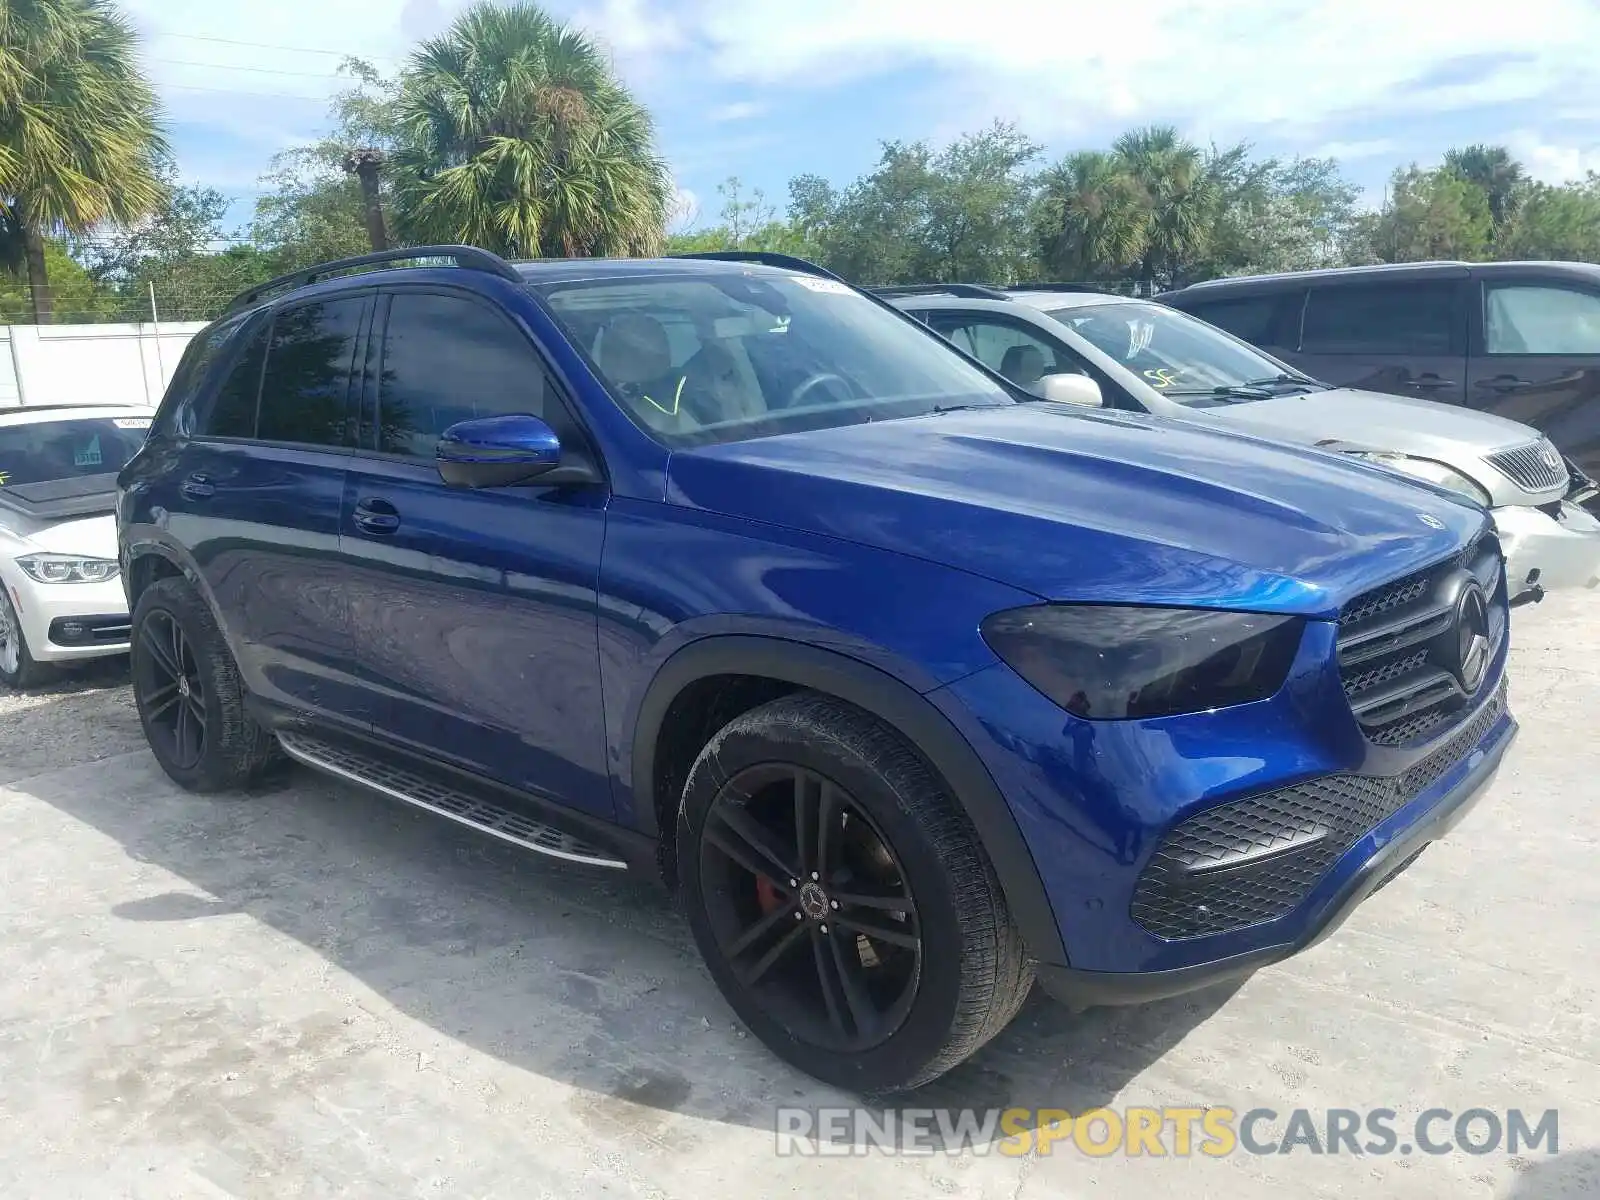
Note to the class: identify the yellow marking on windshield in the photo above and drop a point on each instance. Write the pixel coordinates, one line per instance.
(677, 399)
(1163, 377)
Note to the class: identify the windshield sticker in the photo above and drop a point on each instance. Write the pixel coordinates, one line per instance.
(90, 455)
(131, 422)
(831, 286)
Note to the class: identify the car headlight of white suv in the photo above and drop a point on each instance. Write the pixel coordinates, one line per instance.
(68, 568)
(1427, 468)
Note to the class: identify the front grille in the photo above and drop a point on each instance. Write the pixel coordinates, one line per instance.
(1536, 467)
(1400, 646)
(1256, 859)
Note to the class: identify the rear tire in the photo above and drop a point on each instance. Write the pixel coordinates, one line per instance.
(189, 695)
(18, 668)
(903, 960)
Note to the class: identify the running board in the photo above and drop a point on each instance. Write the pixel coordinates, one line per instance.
(483, 815)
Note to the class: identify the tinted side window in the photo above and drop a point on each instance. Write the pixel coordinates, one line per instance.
(1541, 320)
(1253, 318)
(449, 359)
(233, 408)
(305, 389)
(1384, 318)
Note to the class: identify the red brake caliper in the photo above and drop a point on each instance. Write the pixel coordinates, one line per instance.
(766, 895)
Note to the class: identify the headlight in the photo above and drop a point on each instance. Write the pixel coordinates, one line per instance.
(1110, 663)
(64, 568)
(1427, 468)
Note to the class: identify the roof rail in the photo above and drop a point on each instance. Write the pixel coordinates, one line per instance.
(766, 258)
(469, 258)
(967, 291)
(1058, 287)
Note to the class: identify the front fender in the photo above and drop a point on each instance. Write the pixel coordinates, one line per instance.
(894, 702)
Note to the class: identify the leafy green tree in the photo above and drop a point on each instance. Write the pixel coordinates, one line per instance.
(1179, 194)
(747, 221)
(1272, 215)
(921, 216)
(1559, 223)
(80, 140)
(78, 297)
(1430, 214)
(1090, 218)
(516, 135)
(313, 209)
(1502, 178)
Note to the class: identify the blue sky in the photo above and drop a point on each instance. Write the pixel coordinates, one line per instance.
(766, 90)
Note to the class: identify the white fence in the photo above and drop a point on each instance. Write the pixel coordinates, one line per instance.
(89, 364)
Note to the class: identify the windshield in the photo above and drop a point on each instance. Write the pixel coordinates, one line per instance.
(722, 357)
(1181, 357)
(46, 450)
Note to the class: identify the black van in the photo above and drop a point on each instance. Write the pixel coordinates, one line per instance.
(1520, 339)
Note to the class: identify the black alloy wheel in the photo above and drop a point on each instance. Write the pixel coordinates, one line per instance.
(171, 690)
(813, 911)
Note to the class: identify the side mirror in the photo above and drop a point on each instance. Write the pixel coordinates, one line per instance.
(1070, 389)
(495, 452)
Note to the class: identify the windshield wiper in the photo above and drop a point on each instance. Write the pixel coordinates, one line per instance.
(1242, 391)
(1285, 377)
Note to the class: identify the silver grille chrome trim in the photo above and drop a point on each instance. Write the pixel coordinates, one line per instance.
(401, 784)
(1536, 467)
(1398, 645)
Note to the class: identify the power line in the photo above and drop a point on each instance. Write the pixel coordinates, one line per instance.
(190, 87)
(182, 62)
(195, 37)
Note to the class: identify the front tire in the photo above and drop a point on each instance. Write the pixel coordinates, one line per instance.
(189, 695)
(841, 899)
(18, 668)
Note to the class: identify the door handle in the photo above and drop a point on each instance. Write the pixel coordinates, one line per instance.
(1504, 383)
(198, 487)
(1428, 381)
(377, 517)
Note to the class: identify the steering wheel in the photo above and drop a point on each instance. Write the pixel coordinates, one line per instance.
(816, 380)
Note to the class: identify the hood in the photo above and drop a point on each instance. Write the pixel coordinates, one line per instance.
(89, 537)
(1074, 504)
(1374, 421)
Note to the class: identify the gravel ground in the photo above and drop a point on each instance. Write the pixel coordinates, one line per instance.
(314, 992)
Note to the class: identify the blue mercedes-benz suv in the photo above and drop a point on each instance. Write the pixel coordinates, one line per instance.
(915, 688)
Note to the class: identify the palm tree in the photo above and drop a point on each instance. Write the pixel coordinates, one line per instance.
(517, 136)
(1090, 218)
(80, 137)
(1180, 195)
(1491, 168)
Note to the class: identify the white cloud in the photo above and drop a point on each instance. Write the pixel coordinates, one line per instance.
(683, 210)
(1236, 64)
(1353, 151)
(741, 110)
(1552, 162)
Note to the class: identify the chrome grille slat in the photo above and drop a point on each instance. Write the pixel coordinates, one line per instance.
(1536, 467)
(1394, 657)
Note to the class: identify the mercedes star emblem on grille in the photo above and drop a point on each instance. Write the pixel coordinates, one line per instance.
(1472, 636)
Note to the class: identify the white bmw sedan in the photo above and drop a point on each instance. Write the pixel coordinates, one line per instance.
(60, 595)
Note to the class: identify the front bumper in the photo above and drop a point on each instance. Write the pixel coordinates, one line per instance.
(1554, 547)
(1078, 988)
(101, 609)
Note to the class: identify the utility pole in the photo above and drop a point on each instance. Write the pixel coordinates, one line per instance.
(363, 163)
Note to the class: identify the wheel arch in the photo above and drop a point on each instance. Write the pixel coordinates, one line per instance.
(795, 665)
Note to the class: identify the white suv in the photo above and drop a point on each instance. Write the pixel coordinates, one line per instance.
(1075, 344)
